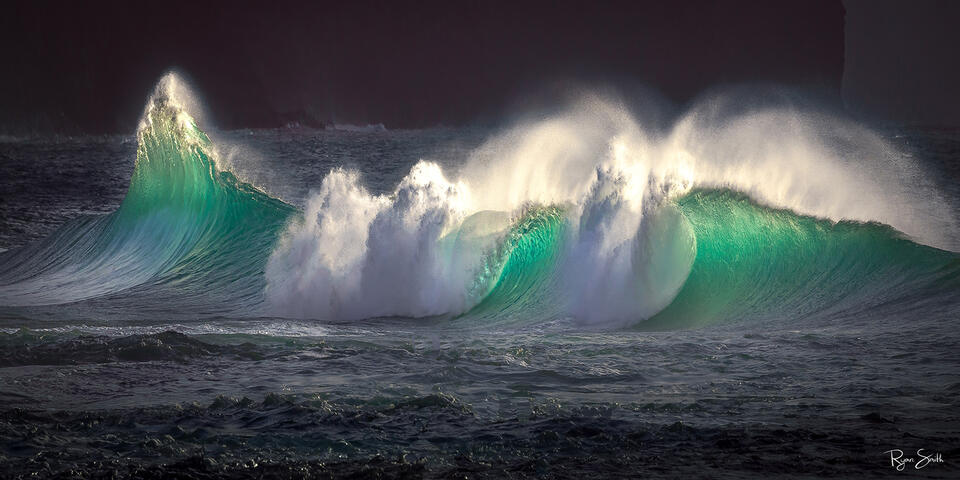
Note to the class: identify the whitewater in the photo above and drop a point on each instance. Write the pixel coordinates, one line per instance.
(579, 284)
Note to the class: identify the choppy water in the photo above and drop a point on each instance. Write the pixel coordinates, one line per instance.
(243, 306)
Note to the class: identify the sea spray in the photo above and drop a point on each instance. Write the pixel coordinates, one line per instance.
(356, 255)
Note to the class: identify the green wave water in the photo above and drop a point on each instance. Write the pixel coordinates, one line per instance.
(520, 273)
(183, 224)
(218, 229)
(754, 261)
(750, 262)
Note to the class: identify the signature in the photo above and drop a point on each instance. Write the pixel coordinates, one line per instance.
(899, 462)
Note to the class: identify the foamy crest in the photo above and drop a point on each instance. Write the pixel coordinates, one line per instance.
(356, 255)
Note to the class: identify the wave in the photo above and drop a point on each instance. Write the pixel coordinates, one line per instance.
(183, 224)
(755, 261)
(582, 217)
(699, 257)
(588, 217)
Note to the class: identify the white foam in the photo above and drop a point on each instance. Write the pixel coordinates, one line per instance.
(356, 255)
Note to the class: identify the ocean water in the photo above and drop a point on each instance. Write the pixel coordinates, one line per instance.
(744, 293)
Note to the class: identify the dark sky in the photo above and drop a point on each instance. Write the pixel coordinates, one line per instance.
(89, 66)
(903, 61)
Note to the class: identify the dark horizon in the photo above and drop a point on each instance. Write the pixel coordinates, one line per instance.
(89, 68)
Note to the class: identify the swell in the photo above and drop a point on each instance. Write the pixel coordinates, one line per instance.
(184, 227)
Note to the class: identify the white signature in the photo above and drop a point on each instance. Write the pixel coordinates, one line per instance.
(899, 462)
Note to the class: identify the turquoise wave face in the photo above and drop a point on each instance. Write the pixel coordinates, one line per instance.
(752, 261)
(749, 262)
(183, 224)
(520, 274)
(210, 229)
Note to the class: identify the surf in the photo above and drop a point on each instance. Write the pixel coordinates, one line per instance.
(586, 217)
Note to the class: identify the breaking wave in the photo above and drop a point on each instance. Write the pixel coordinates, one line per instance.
(584, 216)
